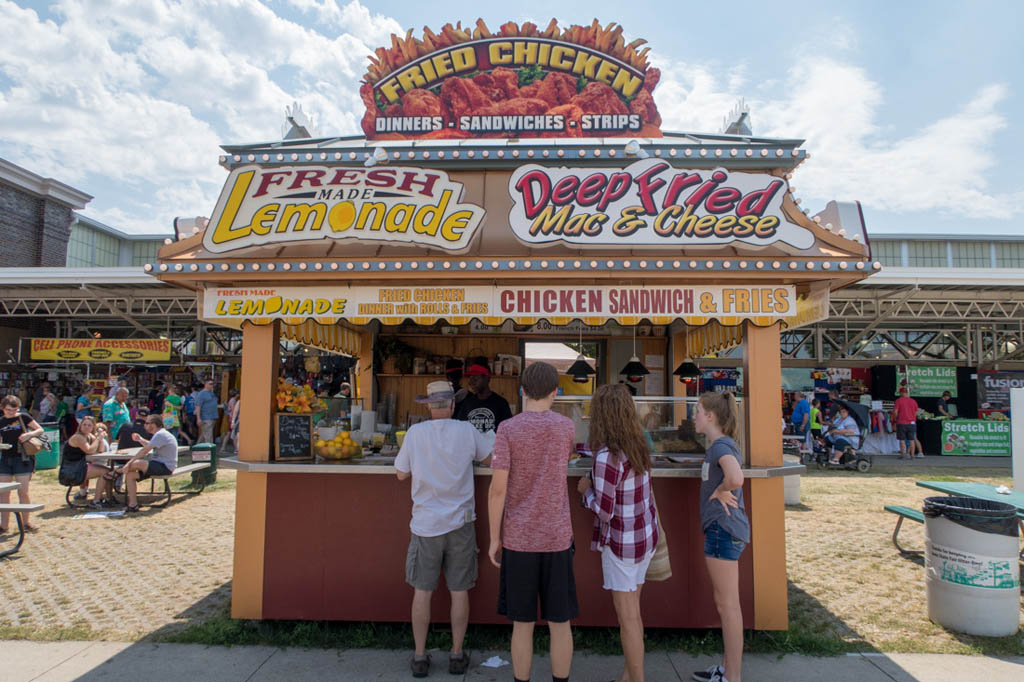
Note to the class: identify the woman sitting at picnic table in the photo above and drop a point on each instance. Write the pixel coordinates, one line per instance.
(85, 441)
(844, 434)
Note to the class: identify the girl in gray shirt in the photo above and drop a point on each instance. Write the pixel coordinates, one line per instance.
(724, 522)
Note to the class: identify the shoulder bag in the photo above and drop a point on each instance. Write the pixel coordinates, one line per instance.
(660, 568)
(34, 445)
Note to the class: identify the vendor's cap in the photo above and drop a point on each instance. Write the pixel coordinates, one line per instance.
(903, 389)
(437, 392)
(478, 370)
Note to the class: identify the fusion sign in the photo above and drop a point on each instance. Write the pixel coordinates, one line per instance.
(650, 203)
(416, 206)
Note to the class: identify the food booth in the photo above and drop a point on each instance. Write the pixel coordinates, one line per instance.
(461, 230)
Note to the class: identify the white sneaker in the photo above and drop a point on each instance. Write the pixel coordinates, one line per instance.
(707, 675)
(718, 676)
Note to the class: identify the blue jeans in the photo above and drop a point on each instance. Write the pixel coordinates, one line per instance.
(719, 544)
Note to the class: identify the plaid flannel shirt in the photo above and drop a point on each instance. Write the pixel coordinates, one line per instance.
(623, 503)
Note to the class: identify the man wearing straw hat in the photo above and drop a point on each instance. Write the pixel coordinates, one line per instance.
(439, 456)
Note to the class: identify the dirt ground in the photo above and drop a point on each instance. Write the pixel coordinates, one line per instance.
(123, 577)
(164, 569)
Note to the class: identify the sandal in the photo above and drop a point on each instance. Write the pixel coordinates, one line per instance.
(128, 509)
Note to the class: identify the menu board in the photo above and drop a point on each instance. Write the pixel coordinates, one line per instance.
(293, 434)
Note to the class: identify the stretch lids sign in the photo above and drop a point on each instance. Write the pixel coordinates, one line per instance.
(520, 81)
(650, 203)
(415, 206)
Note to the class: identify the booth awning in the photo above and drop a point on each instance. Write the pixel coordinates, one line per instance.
(330, 335)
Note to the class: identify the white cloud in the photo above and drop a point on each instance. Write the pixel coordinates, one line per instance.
(834, 106)
(130, 99)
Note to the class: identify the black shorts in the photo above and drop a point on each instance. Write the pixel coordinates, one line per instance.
(527, 576)
(906, 432)
(155, 469)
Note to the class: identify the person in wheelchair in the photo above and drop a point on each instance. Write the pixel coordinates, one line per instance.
(845, 433)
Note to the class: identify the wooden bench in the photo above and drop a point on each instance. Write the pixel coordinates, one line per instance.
(17, 509)
(904, 513)
(180, 471)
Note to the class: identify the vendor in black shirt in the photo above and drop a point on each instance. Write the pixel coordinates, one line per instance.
(482, 408)
(124, 436)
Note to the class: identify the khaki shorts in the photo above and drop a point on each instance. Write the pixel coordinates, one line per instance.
(455, 553)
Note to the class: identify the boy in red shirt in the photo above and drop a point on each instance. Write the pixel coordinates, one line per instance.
(528, 505)
(906, 424)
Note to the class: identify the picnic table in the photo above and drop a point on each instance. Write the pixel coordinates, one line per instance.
(980, 491)
(15, 508)
(123, 455)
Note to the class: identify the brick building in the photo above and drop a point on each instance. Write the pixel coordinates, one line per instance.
(36, 214)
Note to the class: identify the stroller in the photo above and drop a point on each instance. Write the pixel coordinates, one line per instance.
(850, 458)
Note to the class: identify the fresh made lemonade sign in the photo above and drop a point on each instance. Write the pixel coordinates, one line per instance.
(271, 205)
(650, 202)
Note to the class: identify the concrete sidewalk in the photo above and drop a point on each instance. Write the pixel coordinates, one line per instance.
(117, 662)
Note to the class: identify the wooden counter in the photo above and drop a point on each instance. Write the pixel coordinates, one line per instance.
(336, 545)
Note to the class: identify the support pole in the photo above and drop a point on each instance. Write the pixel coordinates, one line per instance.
(762, 386)
(260, 363)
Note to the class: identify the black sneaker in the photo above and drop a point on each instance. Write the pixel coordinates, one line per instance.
(420, 666)
(457, 665)
(715, 671)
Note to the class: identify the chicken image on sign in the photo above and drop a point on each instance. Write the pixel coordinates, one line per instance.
(414, 206)
(580, 81)
(650, 203)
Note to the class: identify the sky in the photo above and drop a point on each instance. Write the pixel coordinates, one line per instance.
(908, 107)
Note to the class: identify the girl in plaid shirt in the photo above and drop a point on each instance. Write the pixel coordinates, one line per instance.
(625, 530)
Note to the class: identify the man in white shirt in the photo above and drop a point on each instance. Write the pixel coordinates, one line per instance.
(439, 456)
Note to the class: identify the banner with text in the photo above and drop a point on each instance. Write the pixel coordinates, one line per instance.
(520, 81)
(650, 202)
(931, 382)
(764, 305)
(994, 390)
(977, 437)
(102, 350)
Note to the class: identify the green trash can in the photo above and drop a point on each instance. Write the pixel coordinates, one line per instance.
(205, 452)
(49, 459)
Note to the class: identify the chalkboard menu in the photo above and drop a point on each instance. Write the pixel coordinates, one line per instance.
(293, 434)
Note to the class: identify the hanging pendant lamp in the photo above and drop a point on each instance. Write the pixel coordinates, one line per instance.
(580, 370)
(687, 371)
(634, 370)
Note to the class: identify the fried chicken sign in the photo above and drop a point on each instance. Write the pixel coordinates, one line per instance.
(581, 81)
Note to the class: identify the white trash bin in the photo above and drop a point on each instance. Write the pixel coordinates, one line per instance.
(972, 577)
(791, 486)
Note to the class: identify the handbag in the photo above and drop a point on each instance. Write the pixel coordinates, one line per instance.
(72, 473)
(34, 445)
(660, 567)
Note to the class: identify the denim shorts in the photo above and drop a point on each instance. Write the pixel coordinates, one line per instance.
(718, 544)
(15, 465)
